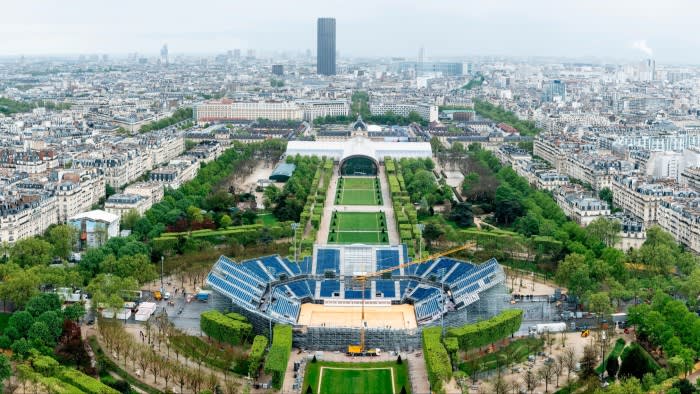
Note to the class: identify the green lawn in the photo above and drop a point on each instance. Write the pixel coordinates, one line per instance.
(615, 353)
(359, 378)
(268, 219)
(358, 191)
(358, 227)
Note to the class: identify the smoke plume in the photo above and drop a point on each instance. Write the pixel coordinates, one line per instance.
(642, 46)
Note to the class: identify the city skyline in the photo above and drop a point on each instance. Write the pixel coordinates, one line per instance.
(626, 30)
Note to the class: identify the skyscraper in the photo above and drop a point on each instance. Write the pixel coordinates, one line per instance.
(325, 49)
(164, 54)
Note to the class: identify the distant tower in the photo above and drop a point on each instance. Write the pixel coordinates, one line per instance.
(236, 54)
(164, 54)
(419, 66)
(325, 46)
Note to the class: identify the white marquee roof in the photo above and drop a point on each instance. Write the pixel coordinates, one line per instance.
(378, 150)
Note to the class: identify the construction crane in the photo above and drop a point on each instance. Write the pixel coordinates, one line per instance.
(364, 277)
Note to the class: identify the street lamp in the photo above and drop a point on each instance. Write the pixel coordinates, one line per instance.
(161, 273)
(420, 226)
(295, 226)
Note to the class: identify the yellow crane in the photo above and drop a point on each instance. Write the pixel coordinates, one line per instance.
(362, 278)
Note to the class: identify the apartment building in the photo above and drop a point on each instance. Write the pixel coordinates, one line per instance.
(550, 180)
(26, 216)
(639, 198)
(228, 110)
(175, 173)
(121, 204)
(151, 191)
(427, 112)
(579, 205)
(681, 218)
(313, 109)
(78, 192)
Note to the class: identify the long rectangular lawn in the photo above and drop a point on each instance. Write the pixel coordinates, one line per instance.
(358, 227)
(358, 191)
(356, 378)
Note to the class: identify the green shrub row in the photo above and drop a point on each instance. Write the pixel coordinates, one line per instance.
(224, 328)
(437, 360)
(485, 332)
(257, 352)
(84, 382)
(277, 358)
(57, 386)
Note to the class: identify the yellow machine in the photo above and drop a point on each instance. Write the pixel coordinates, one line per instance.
(360, 348)
(585, 333)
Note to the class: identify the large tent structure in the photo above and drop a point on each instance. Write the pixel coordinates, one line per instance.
(359, 155)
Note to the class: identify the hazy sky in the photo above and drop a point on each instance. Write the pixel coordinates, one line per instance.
(572, 28)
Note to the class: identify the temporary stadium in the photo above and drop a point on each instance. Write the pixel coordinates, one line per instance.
(359, 285)
(322, 299)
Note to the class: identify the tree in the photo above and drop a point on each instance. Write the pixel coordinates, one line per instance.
(569, 359)
(19, 323)
(19, 286)
(194, 214)
(225, 221)
(462, 214)
(110, 290)
(136, 266)
(530, 380)
(432, 232)
(588, 361)
(63, 237)
(42, 303)
(574, 273)
(31, 251)
(507, 205)
(39, 334)
(546, 373)
(130, 219)
(54, 321)
(74, 311)
(605, 230)
(606, 195)
(599, 303)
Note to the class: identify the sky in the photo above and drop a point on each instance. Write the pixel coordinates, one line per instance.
(604, 29)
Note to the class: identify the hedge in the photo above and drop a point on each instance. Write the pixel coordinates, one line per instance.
(277, 358)
(84, 382)
(437, 361)
(224, 328)
(488, 331)
(56, 386)
(257, 352)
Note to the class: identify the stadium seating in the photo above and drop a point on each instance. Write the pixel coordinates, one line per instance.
(429, 308)
(357, 294)
(327, 260)
(329, 286)
(407, 286)
(294, 267)
(256, 284)
(386, 287)
(423, 293)
(300, 289)
(284, 307)
(387, 259)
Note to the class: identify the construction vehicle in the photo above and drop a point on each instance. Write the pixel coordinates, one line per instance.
(157, 295)
(359, 349)
(585, 333)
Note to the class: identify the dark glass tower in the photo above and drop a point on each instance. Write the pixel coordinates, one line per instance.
(325, 50)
